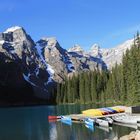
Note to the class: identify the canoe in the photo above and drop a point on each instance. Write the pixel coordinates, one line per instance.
(110, 111)
(53, 117)
(126, 119)
(101, 122)
(105, 111)
(89, 121)
(67, 120)
(92, 112)
(90, 127)
(118, 109)
(109, 120)
(122, 108)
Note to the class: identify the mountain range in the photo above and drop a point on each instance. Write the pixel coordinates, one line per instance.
(32, 69)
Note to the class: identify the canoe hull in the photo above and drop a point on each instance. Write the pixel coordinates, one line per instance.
(66, 120)
(125, 119)
(89, 122)
(101, 122)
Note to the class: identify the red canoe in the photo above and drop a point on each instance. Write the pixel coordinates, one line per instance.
(53, 117)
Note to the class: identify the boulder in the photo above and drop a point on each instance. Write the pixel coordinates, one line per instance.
(132, 136)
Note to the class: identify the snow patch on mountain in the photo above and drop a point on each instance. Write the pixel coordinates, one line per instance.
(12, 29)
(114, 55)
(28, 79)
(51, 73)
(70, 67)
(48, 67)
(37, 71)
(51, 41)
(68, 62)
(95, 51)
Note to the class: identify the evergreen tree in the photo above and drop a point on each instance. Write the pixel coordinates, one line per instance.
(93, 84)
(58, 94)
(87, 87)
(82, 88)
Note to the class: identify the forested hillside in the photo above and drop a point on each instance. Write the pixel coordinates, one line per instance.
(121, 84)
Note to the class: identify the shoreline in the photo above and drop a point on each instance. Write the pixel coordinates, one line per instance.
(134, 135)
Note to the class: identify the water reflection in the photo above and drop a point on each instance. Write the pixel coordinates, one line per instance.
(89, 127)
(81, 132)
(53, 131)
(31, 123)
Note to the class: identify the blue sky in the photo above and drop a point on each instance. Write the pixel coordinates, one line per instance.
(83, 22)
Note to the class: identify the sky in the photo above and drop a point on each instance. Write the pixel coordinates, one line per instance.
(84, 22)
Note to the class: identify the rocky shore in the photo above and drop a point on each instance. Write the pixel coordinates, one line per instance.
(134, 135)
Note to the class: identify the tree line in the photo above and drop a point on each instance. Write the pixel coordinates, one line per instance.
(121, 84)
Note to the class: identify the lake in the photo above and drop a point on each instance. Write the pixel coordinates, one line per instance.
(31, 123)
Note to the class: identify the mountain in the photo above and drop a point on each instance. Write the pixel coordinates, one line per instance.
(107, 57)
(18, 52)
(76, 48)
(113, 55)
(31, 69)
(57, 57)
(37, 65)
(95, 51)
(63, 62)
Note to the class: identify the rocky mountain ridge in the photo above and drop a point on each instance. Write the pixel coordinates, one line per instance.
(109, 56)
(113, 55)
(44, 63)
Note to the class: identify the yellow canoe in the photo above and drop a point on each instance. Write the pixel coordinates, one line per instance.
(92, 112)
(101, 112)
(118, 109)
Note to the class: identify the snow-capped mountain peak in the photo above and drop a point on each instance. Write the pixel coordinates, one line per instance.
(51, 41)
(12, 29)
(114, 55)
(126, 44)
(95, 50)
(76, 48)
(95, 47)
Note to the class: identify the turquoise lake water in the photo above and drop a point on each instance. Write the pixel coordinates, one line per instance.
(31, 123)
